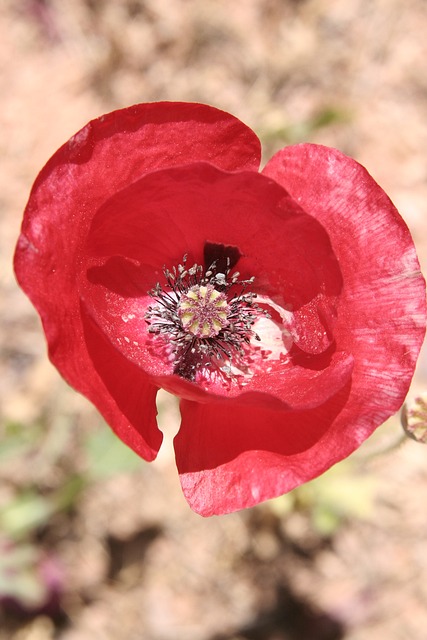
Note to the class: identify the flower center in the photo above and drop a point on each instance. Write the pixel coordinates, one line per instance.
(203, 311)
(205, 316)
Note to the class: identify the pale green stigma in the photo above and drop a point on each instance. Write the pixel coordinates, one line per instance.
(203, 311)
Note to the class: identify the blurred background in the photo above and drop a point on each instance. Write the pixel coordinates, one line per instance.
(95, 543)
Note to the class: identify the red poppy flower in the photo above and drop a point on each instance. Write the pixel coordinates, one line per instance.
(285, 308)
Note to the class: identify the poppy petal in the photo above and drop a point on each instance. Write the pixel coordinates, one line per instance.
(380, 321)
(106, 155)
(382, 308)
(231, 457)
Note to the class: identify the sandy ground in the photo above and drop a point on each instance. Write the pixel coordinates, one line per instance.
(138, 563)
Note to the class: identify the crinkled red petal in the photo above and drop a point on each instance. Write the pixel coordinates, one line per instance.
(232, 457)
(382, 312)
(104, 157)
(380, 320)
(127, 395)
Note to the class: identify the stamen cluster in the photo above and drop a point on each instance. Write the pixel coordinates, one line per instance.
(205, 316)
